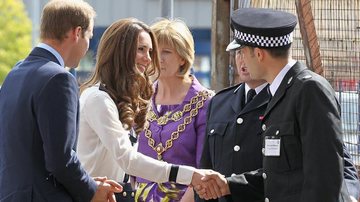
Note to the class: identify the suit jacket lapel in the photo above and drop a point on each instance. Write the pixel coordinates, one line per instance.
(259, 100)
(43, 53)
(238, 96)
(287, 81)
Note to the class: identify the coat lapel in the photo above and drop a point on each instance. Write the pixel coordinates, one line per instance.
(259, 100)
(287, 81)
(239, 99)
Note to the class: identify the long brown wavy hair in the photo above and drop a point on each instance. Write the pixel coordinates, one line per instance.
(116, 70)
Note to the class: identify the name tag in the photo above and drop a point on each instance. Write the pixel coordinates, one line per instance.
(272, 147)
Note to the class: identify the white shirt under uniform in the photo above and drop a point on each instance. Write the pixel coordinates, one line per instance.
(104, 148)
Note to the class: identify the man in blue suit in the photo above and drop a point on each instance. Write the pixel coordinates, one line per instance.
(39, 115)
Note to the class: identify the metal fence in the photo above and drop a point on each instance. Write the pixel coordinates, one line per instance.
(348, 93)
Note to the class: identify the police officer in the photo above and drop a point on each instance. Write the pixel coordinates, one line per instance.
(233, 132)
(233, 143)
(302, 138)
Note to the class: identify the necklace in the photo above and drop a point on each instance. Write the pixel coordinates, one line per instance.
(162, 120)
(198, 100)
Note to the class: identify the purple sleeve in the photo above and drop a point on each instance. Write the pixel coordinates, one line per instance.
(200, 131)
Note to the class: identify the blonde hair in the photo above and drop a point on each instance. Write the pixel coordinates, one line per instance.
(116, 70)
(176, 34)
(60, 16)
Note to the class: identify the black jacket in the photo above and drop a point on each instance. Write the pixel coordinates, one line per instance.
(305, 116)
(233, 139)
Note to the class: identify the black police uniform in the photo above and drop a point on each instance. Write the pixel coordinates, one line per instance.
(304, 116)
(233, 145)
(233, 138)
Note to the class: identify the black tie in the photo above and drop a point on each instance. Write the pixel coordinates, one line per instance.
(250, 95)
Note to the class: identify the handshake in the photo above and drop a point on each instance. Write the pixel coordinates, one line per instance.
(209, 184)
(105, 190)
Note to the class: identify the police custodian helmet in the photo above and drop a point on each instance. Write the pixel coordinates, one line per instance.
(264, 28)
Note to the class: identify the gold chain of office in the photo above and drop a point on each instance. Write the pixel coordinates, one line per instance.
(198, 99)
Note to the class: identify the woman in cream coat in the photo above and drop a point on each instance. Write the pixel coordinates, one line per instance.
(114, 101)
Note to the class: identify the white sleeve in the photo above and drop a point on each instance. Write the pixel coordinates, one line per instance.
(102, 115)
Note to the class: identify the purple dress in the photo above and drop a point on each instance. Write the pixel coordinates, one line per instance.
(186, 149)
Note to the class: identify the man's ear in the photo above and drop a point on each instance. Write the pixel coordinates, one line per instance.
(259, 54)
(76, 33)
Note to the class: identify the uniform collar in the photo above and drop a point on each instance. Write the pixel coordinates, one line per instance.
(277, 81)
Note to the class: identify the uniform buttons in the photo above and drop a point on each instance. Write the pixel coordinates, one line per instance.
(232, 175)
(264, 176)
(132, 194)
(124, 194)
(236, 148)
(277, 132)
(263, 151)
(239, 120)
(267, 200)
(212, 131)
(263, 127)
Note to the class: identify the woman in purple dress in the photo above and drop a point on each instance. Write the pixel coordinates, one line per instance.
(177, 116)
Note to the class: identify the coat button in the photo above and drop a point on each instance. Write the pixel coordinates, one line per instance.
(124, 194)
(236, 148)
(277, 132)
(267, 200)
(132, 194)
(263, 127)
(263, 151)
(212, 131)
(264, 176)
(239, 120)
(232, 175)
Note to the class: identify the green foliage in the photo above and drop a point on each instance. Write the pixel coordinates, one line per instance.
(15, 34)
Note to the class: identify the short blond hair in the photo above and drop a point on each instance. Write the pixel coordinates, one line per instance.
(60, 16)
(176, 34)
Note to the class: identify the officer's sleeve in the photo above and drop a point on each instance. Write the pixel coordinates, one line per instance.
(248, 185)
(57, 118)
(350, 175)
(205, 160)
(319, 124)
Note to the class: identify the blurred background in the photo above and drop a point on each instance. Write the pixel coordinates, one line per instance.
(195, 13)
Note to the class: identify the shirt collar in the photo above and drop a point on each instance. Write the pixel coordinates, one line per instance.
(53, 51)
(277, 81)
(257, 89)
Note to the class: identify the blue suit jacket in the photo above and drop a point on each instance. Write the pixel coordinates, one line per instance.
(38, 134)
